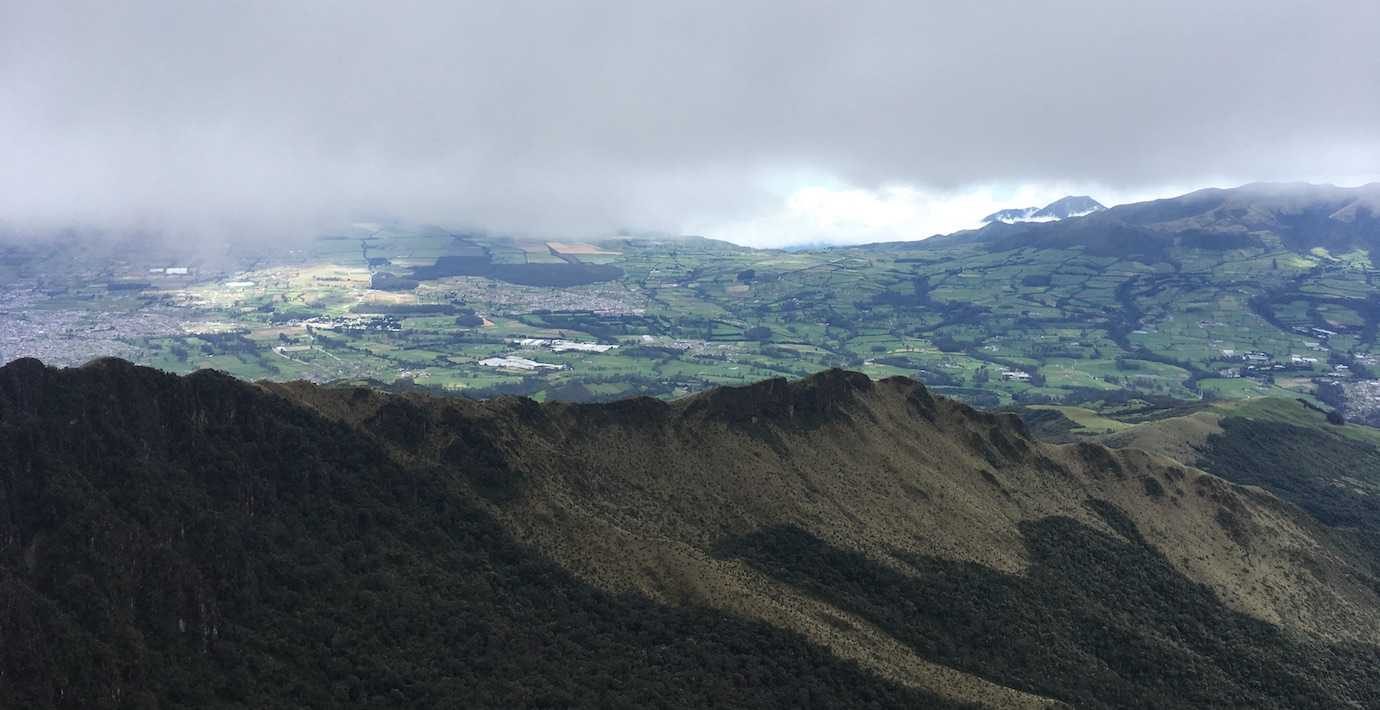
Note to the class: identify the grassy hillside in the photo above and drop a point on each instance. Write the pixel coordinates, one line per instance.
(826, 542)
(1287, 446)
(645, 496)
(1099, 620)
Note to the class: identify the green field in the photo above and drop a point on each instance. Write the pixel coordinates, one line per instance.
(466, 313)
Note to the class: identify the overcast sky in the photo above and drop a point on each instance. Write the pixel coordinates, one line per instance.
(763, 122)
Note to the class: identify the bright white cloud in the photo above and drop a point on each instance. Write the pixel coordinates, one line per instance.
(850, 215)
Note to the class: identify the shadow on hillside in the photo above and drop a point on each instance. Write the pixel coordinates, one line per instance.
(198, 542)
(1100, 621)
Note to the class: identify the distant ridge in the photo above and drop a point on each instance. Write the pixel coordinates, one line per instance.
(1290, 216)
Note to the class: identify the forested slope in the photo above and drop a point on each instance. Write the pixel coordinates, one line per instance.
(834, 541)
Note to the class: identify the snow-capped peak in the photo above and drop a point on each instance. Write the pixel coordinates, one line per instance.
(1062, 208)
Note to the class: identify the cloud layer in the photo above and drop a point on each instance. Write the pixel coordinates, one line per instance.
(576, 118)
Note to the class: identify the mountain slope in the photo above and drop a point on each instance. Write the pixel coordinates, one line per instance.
(204, 540)
(200, 542)
(823, 455)
(1290, 447)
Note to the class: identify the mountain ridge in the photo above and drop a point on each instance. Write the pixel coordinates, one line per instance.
(689, 504)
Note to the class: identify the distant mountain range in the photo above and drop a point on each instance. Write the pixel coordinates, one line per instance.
(1062, 208)
(1292, 216)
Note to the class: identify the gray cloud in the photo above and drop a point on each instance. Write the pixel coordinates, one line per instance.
(564, 117)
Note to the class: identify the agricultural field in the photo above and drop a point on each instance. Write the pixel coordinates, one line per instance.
(601, 318)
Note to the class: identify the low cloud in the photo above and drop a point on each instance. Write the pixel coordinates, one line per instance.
(836, 121)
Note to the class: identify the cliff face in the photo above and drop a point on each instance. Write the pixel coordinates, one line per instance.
(201, 540)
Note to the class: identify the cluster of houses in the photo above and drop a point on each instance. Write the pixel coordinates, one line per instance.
(1362, 401)
(1260, 364)
(354, 322)
(1320, 333)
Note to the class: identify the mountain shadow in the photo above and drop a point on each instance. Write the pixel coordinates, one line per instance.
(1099, 621)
